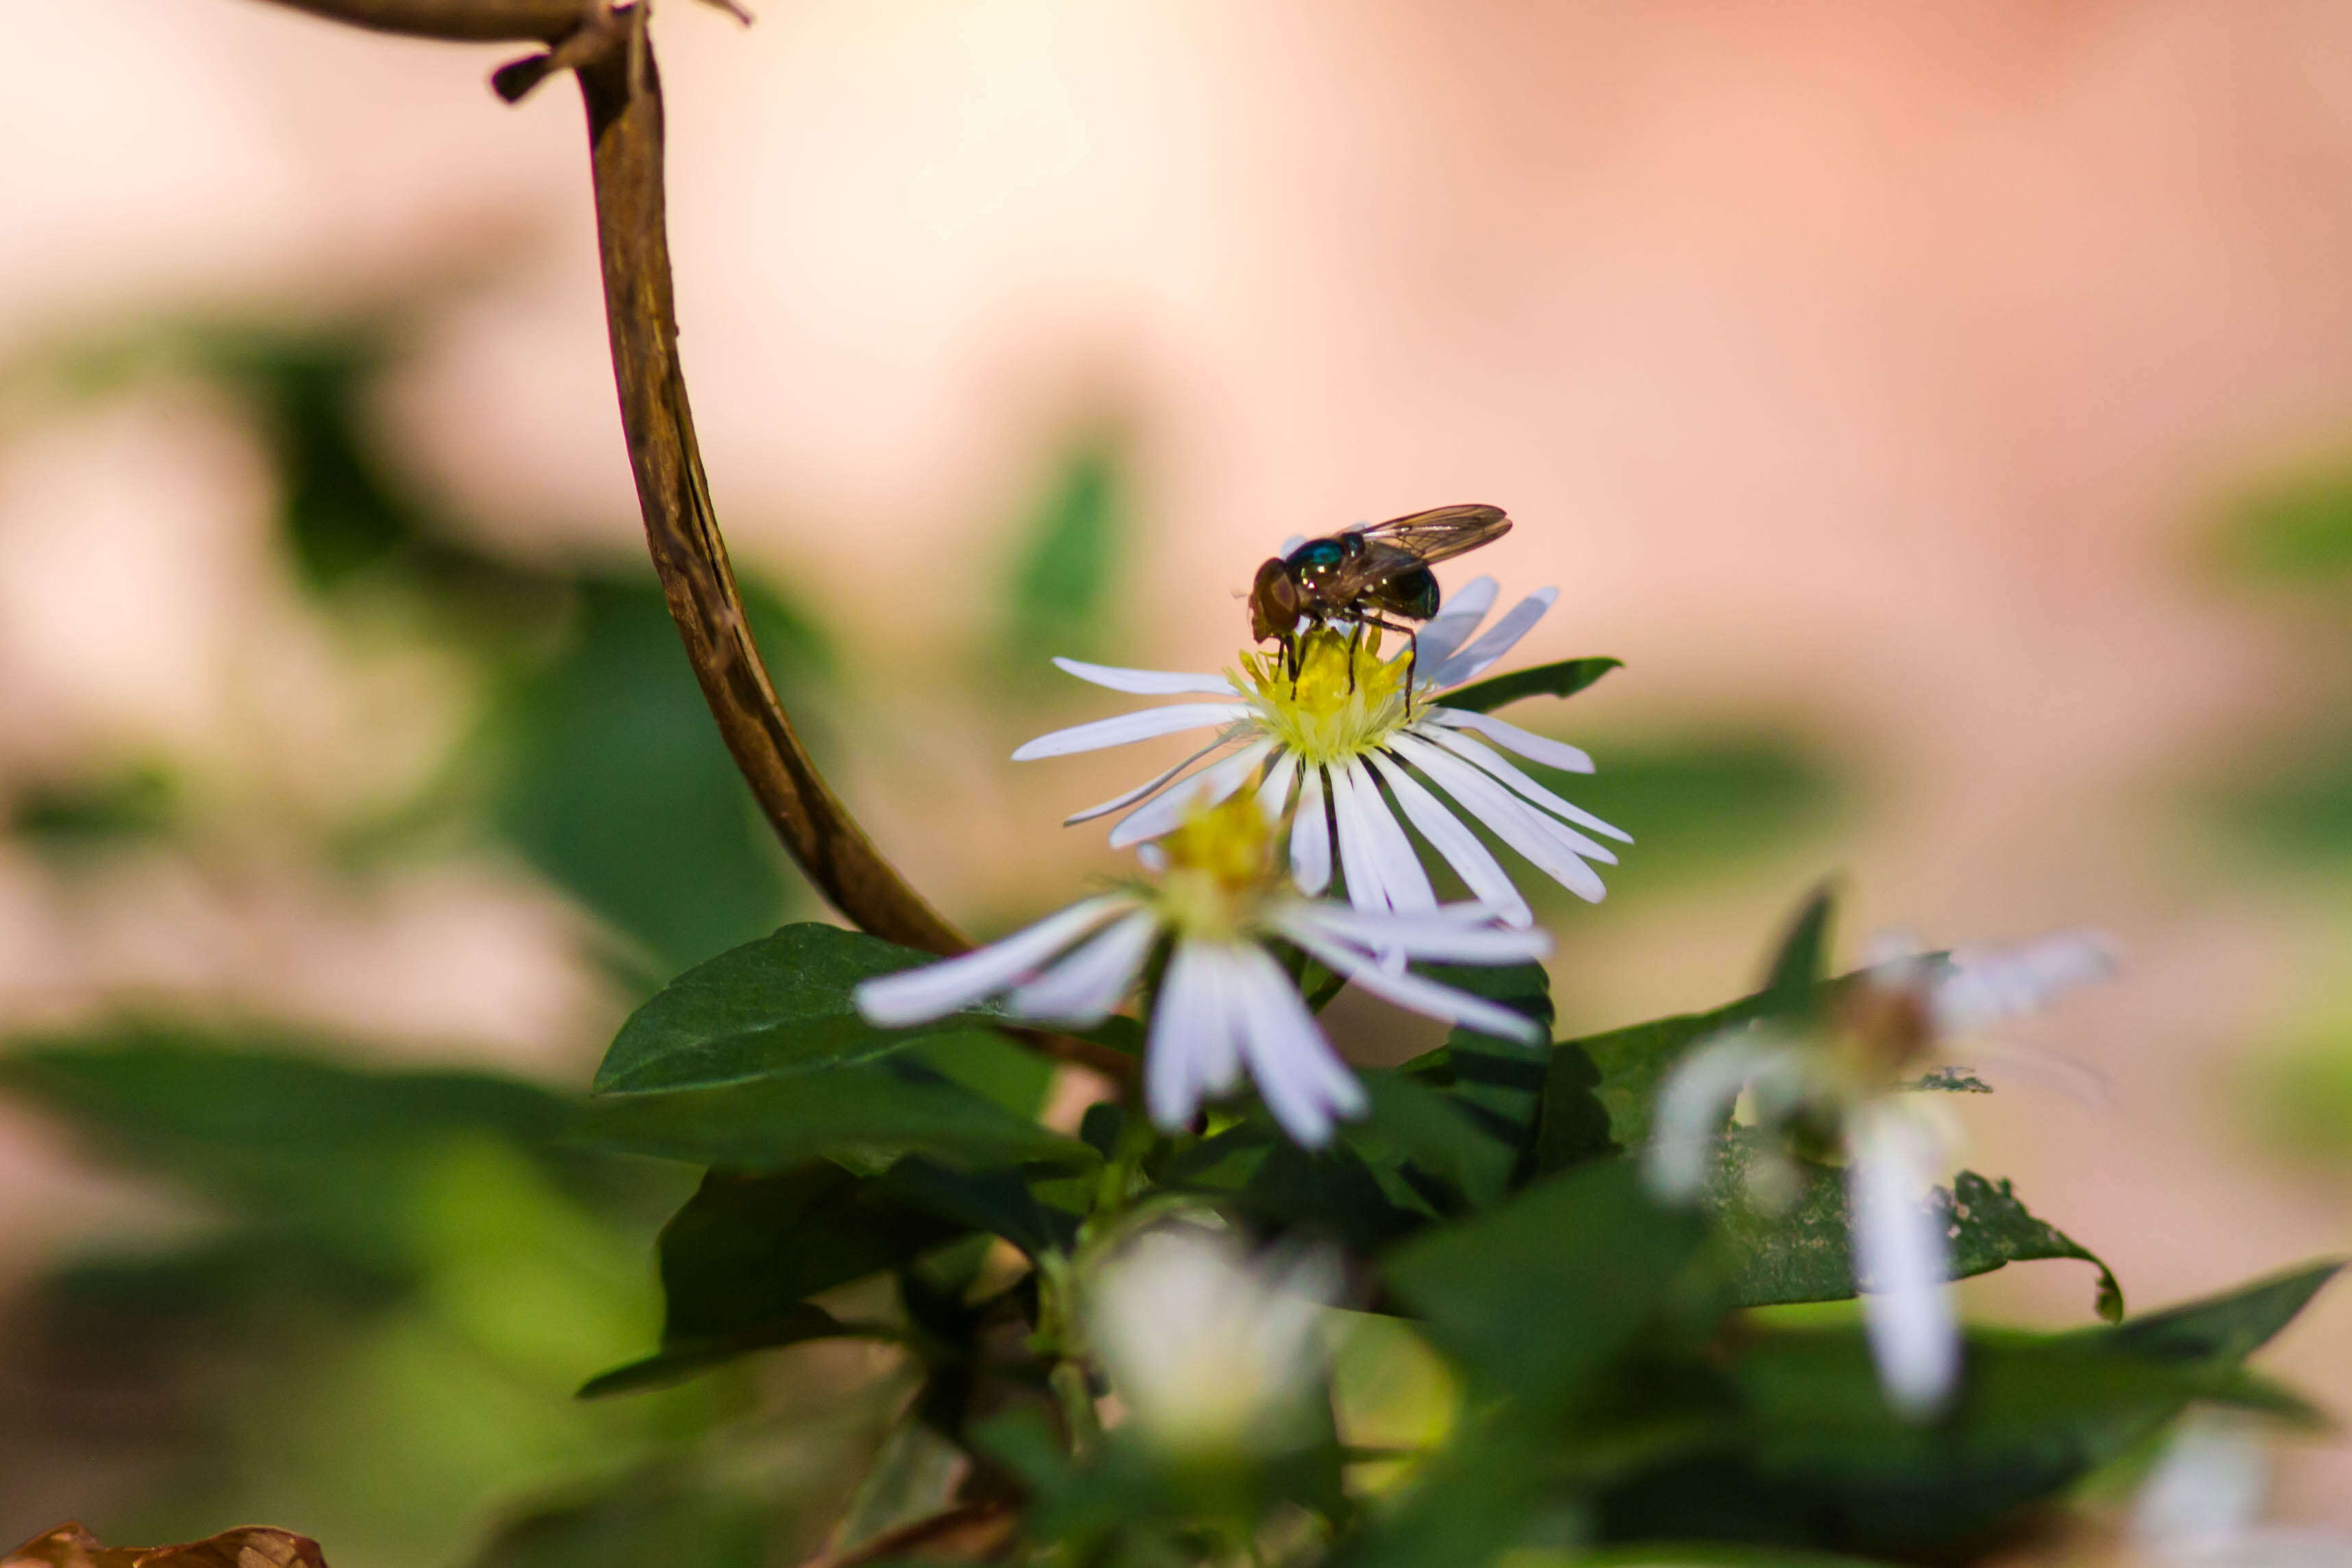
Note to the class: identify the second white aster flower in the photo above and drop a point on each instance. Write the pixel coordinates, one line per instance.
(1223, 1006)
(1324, 743)
(1849, 1079)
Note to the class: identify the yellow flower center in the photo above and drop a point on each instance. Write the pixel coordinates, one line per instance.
(1338, 706)
(1219, 864)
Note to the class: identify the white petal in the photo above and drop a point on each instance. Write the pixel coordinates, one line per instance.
(1410, 991)
(1401, 872)
(1217, 1053)
(1304, 1085)
(1149, 787)
(1128, 727)
(1521, 827)
(1988, 985)
(1511, 738)
(1465, 608)
(1310, 837)
(1444, 935)
(1479, 870)
(1203, 790)
(917, 996)
(1900, 1250)
(1470, 748)
(1084, 987)
(1273, 795)
(1186, 1023)
(1698, 1096)
(1499, 639)
(1357, 865)
(1148, 682)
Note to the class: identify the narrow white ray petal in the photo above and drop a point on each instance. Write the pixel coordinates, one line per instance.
(1899, 1251)
(1125, 728)
(917, 996)
(1441, 936)
(1511, 738)
(1989, 985)
(1304, 1085)
(1465, 608)
(1084, 987)
(1477, 752)
(1149, 787)
(1310, 836)
(1471, 750)
(1183, 1014)
(1273, 795)
(1499, 640)
(1401, 871)
(1410, 991)
(1203, 790)
(1479, 870)
(1148, 682)
(1520, 827)
(1698, 1096)
(1357, 865)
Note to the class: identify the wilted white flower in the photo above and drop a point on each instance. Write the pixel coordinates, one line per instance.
(1851, 1078)
(1223, 1004)
(1328, 739)
(1211, 1351)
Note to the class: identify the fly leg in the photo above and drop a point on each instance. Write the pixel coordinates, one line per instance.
(1412, 655)
(1355, 640)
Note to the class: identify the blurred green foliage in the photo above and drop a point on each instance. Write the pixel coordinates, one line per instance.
(2296, 529)
(1067, 555)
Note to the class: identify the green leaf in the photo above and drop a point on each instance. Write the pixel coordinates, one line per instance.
(863, 1111)
(1634, 1061)
(739, 1261)
(1499, 1083)
(1801, 962)
(1446, 1154)
(1806, 1255)
(1535, 1297)
(1818, 1459)
(1564, 679)
(1573, 1125)
(2227, 1328)
(781, 1007)
(264, 1123)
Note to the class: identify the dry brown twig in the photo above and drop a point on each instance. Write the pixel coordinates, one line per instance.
(606, 45)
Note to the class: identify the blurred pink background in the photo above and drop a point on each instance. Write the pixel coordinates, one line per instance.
(1873, 367)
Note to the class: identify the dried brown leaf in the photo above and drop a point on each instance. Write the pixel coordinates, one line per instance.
(247, 1546)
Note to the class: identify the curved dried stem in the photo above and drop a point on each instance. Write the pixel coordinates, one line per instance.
(622, 91)
(607, 47)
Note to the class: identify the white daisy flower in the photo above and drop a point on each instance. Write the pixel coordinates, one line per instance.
(1223, 1005)
(1211, 1351)
(1329, 741)
(1851, 1078)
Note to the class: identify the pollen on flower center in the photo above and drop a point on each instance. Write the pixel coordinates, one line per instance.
(1324, 716)
(1220, 863)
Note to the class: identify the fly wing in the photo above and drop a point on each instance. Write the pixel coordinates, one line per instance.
(1425, 536)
